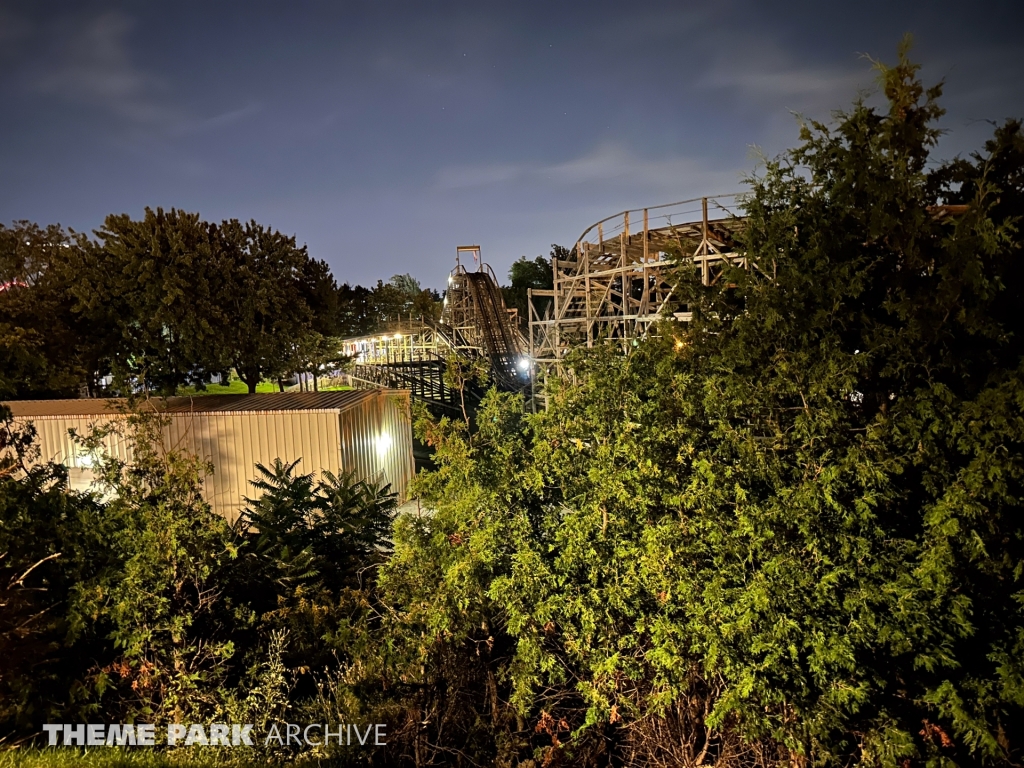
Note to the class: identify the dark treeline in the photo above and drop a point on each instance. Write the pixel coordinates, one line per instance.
(789, 533)
(171, 300)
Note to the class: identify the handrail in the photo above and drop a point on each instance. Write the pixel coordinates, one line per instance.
(711, 198)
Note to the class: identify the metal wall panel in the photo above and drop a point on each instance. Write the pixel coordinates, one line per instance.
(235, 442)
(370, 436)
(377, 441)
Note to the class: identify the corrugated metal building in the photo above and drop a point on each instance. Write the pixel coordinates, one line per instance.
(367, 432)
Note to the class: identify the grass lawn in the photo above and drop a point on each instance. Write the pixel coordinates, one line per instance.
(235, 387)
(102, 757)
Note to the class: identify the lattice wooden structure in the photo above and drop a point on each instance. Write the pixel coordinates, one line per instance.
(412, 354)
(616, 283)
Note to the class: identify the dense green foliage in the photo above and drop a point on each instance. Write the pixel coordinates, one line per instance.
(43, 350)
(791, 530)
(138, 603)
(525, 274)
(185, 298)
(171, 300)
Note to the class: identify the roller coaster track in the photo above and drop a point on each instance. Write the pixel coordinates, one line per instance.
(475, 323)
(618, 280)
(613, 288)
(501, 342)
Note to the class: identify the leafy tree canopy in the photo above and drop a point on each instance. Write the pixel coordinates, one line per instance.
(44, 350)
(156, 286)
(267, 314)
(525, 274)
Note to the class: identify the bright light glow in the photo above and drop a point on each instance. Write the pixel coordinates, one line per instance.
(398, 336)
(524, 364)
(383, 444)
(86, 461)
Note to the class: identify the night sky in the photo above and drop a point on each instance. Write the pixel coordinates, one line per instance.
(384, 134)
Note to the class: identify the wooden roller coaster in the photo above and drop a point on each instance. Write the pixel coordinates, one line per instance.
(617, 280)
(612, 288)
(474, 323)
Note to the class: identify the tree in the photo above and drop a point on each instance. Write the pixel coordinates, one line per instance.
(406, 283)
(266, 314)
(138, 600)
(316, 354)
(427, 305)
(355, 311)
(321, 294)
(525, 274)
(331, 526)
(158, 601)
(394, 300)
(152, 290)
(790, 528)
(43, 525)
(363, 311)
(111, 601)
(865, 581)
(389, 304)
(45, 351)
(182, 299)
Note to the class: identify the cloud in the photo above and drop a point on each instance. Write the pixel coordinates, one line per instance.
(763, 73)
(785, 82)
(94, 66)
(608, 163)
(222, 120)
(485, 175)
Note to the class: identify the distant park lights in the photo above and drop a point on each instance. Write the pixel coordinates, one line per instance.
(474, 322)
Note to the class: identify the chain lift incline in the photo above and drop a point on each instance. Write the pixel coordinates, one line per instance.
(474, 323)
